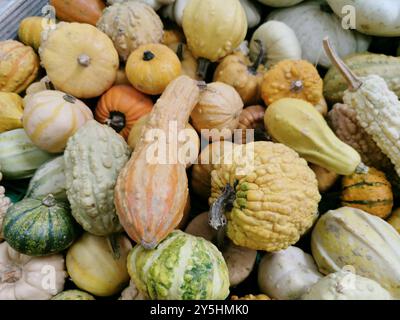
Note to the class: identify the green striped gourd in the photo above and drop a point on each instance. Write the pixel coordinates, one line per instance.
(182, 267)
(49, 178)
(19, 157)
(363, 64)
(94, 156)
(39, 227)
(73, 295)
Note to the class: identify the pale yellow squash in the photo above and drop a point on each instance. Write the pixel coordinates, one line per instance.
(11, 109)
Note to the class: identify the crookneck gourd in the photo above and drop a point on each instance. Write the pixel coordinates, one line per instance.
(93, 158)
(377, 107)
(152, 189)
(268, 193)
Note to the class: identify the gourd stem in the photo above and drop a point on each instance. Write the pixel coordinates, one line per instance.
(202, 85)
(148, 56)
(69, 98)
(361, 169)
(84, 60)
(116, 121)
(179, 51)
(49, 201)
(296, 86)
(353, 81)
(115, 246)
(49, 85)
(216, 216)
(203, 67)
(253, 69)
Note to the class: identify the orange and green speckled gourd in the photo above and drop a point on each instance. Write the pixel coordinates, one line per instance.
(275, 196)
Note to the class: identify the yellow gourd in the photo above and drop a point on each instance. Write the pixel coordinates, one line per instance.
(30, 31)
(297, 124)
(11, 110)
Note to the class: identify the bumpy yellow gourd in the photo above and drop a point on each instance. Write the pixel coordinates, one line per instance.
(11, 110)
(297, 124)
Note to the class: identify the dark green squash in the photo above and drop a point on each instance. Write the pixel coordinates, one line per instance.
(39, 227)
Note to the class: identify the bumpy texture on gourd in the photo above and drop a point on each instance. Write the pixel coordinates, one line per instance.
(182, 267)
(93, 158)
(276, 195)
(352, 237)
(251, 297)
(130, 25)
(5, 203)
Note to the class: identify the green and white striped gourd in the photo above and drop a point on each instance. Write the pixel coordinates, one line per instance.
(363, 64)
(19, 157)
(49, 178)
(93, 158)
(182, 267)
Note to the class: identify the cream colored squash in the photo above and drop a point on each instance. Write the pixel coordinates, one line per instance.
(287, 274)
(279, 40)
(280, 3)
(55, 121)
(352, 237)
(26, 278)
(42, 85)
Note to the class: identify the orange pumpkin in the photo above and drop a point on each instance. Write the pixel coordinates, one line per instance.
(121, 106)
(84, 11)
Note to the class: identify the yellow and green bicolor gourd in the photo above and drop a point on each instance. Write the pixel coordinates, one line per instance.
(181, 267)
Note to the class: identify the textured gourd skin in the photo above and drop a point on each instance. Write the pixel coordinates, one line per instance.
(131, 293)
(363, 64)
(130, 25)
(11, 110)
(345, 285)
(276, 196)
(19, 66)
(251, 297)
(73, 295)
(349, 236)
(93, 159)
(182, 267)
(300, 126)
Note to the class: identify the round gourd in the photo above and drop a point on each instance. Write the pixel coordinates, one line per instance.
(93, 159)
(98, 264)
(121, 107)
(121, 79)
(11, 110)
(193, 262)
(268, 194)
(352, 237)
(219, 108)
(394, 219)
(326, 179)
(278, 39)
(73, 295)
(253, 13)
(79, 59)
(370, 192)
(42, 85)
(151, 67)
(287, 274)
(84, 11)
(30, 31)
(49, 178)
(39, 227)
(22, 277)
(280, 3)
(19, 66)
(188, 62)
(345, 285)
(51, 117)
(19, 157)
(130, 25)
(155, 4)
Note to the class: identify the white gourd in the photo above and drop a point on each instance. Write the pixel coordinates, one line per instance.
(252, 13)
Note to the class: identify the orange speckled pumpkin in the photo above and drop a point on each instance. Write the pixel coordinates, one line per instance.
(84, 11)
(121, 106)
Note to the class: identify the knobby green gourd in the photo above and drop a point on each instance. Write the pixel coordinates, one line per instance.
(39, 227)
(182, 267)
(49, 178)
(93, 158)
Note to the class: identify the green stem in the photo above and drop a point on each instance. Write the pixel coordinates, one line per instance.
(253, 69)
(202, 68)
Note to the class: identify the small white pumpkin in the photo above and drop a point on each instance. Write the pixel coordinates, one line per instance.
(345, 285)
(26, 278)
(287, 274)
(312, 23)
(279, 40)
(280, 3)
(375, 18)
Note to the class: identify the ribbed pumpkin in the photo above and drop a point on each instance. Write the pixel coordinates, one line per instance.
(73, 295)
(219, 108)
(120, 108)
(30, 31)
(192, 262)
(39, 227)
(352, 237)
(370, 192)
(98, 264)
(268, 194)
(19, 157)
(11, 110)
(19, 66)
(79, 59)
(51, 117)
(150, 196)
(251, 122)
(131, 24)
(93, 158)
(84, 11)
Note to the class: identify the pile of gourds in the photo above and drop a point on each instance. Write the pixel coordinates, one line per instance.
(84, 205)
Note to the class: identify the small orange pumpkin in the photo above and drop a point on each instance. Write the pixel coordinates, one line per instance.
(83, 11)
(151, 67)
(121, 106)
(294, 79)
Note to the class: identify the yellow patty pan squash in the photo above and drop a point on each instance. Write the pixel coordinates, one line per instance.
(11, 110)
(268, 193)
